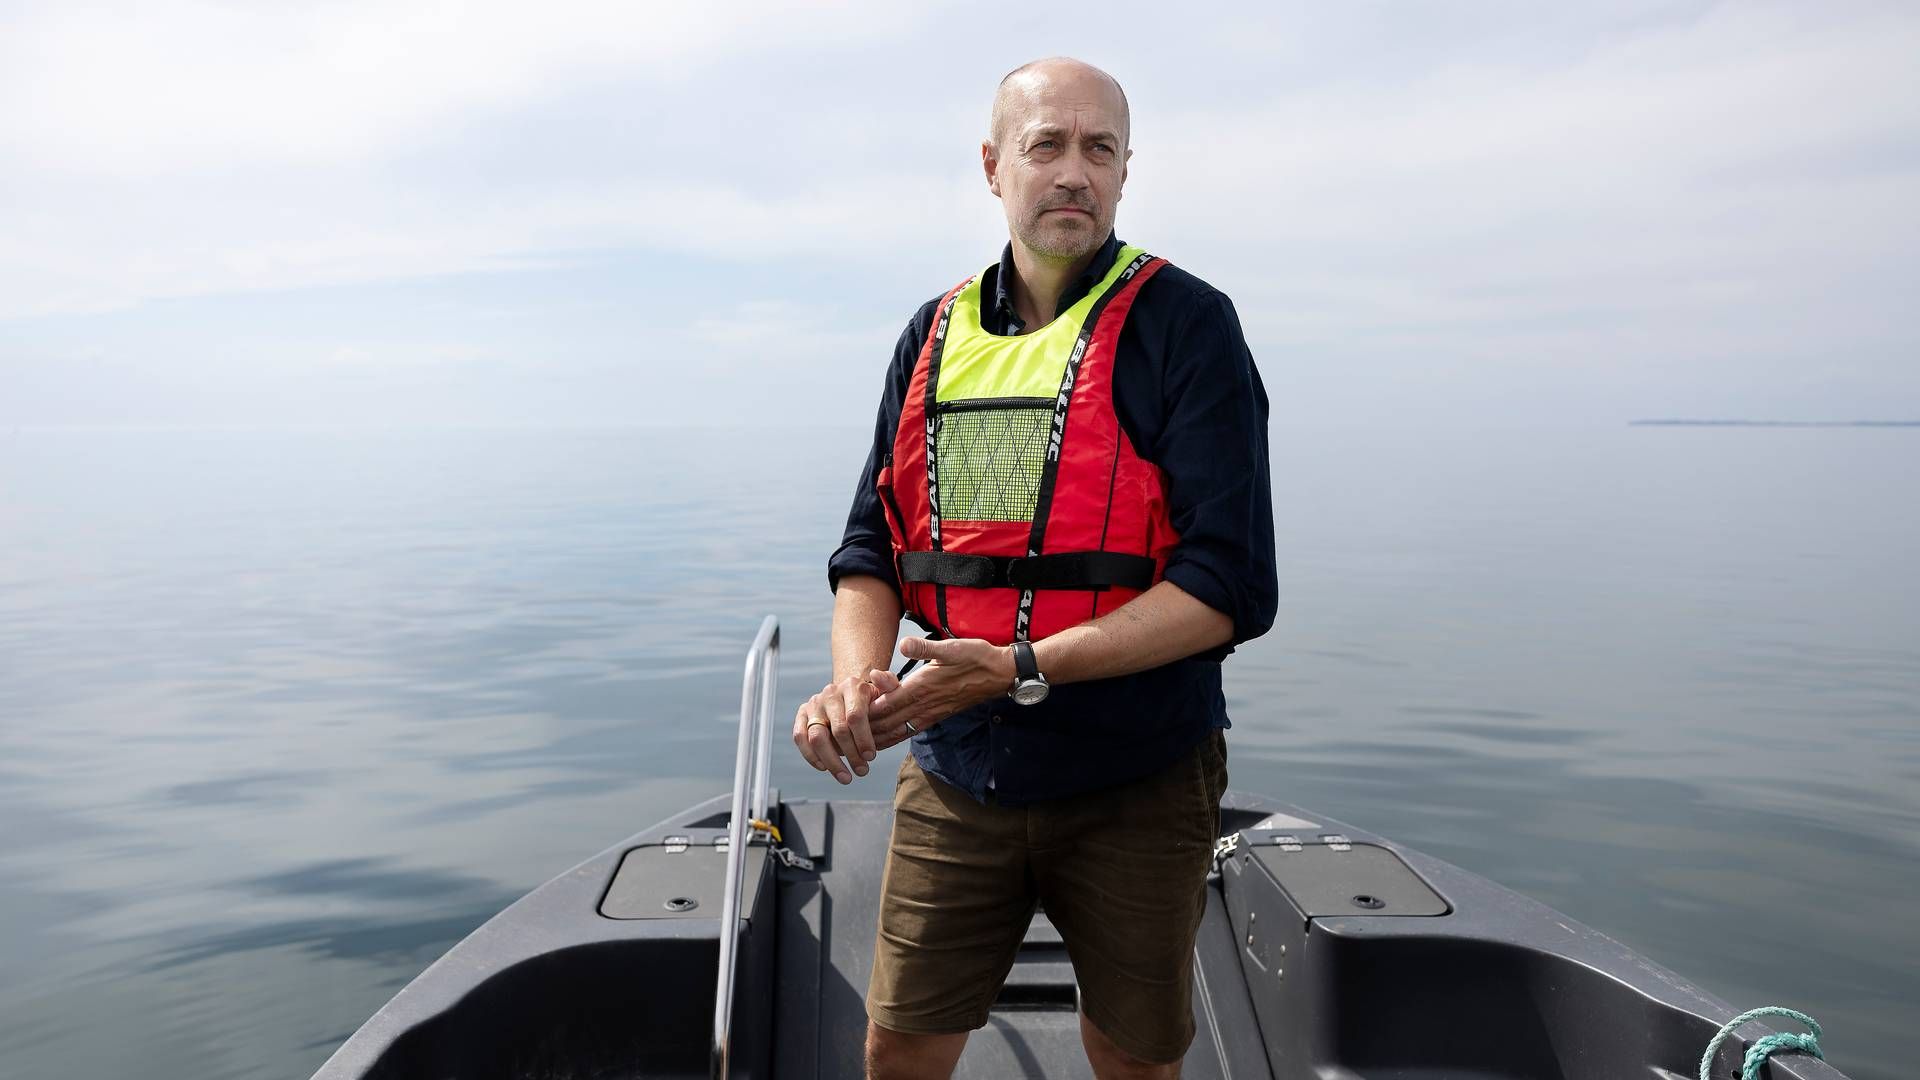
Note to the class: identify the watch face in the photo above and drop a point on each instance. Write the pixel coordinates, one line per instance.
(1030, 693)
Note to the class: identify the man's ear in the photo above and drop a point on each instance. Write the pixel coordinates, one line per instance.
(991, 165)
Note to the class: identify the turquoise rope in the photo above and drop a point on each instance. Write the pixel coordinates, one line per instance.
(1764, 1047)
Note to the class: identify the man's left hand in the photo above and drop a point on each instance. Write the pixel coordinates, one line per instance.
(957, 673)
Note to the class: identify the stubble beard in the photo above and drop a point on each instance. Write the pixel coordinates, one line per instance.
(1053, 240)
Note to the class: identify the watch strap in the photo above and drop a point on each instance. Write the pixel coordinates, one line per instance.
(1024, 665)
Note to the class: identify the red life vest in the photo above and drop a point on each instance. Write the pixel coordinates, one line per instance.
(1016, 516)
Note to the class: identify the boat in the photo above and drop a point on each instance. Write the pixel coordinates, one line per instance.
(734, 939)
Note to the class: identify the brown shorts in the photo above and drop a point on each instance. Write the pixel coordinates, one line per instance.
(1121, 873)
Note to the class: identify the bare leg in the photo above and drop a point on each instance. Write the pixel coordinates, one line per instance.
(1112, 1063)
(897, 1055)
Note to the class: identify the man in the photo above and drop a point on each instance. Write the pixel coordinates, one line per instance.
(1068, 489)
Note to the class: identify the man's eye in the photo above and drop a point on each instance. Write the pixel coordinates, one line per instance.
(1043, 144)
(1103, 148)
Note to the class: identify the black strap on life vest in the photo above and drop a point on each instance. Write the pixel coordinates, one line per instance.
(1091, 570)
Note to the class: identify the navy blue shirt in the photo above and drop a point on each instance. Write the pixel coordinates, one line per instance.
(1188, 395)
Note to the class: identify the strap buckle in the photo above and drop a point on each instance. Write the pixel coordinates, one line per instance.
(786, 855)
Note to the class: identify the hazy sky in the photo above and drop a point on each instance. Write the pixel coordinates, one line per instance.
(631, 213)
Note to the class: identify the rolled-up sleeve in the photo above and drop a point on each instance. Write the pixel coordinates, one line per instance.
(1213, 449)
(865, 546)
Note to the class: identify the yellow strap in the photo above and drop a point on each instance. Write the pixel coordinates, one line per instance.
(767, 827)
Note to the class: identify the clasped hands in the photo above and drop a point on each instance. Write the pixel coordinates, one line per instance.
(847, 724)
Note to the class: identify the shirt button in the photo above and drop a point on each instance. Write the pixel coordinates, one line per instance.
(996, 718)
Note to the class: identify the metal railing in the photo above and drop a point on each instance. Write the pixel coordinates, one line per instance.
(751, 760)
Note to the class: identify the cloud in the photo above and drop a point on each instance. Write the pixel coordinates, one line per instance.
(758, 326)
(142, 90)
(295, 235)
(1695, 160)
(1624, 202)
(211, 149)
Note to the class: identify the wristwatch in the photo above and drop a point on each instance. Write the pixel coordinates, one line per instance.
(1029, 686)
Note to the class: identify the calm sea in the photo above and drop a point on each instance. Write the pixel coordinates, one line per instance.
(282, 716)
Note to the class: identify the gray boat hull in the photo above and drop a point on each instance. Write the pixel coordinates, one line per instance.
(1326, 953)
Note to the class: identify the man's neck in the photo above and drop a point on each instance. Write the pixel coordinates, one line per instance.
(1039, 281)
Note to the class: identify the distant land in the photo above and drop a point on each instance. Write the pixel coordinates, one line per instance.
(1773, 423)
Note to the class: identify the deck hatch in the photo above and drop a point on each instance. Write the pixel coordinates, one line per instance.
(1327, 880)
(677, 880)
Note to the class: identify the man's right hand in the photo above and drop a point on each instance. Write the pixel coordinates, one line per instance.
(831, 728)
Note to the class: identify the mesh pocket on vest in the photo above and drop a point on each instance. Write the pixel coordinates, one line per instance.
(990, 457)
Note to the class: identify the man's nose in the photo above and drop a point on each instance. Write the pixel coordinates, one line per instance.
(1073, 172)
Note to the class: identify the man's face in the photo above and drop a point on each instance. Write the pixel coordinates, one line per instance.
(1060, 162)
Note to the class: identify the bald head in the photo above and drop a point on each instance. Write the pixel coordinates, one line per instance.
(1056, 156)
(1034, 82)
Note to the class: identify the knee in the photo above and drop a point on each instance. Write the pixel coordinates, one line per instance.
(1112, 1063)
(906, 1056)
(1120, 1065)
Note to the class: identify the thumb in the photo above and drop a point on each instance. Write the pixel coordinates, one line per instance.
(883, 681)
(919, 648)
(902, 695)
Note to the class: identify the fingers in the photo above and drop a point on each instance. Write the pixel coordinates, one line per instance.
(892, 736)
(895, 730)
(814, 734)
(833, 706)
(910, 700)
(801, 729)
(887, 700)
(839, 703)
(855, 693)
(800, 719)
(845, 726)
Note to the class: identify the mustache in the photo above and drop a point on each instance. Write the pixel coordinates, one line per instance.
(1074, 201)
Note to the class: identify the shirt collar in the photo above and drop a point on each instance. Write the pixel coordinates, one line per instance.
(1080, 287)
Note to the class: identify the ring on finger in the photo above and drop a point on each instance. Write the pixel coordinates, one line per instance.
(911, 730)
(811, 724)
